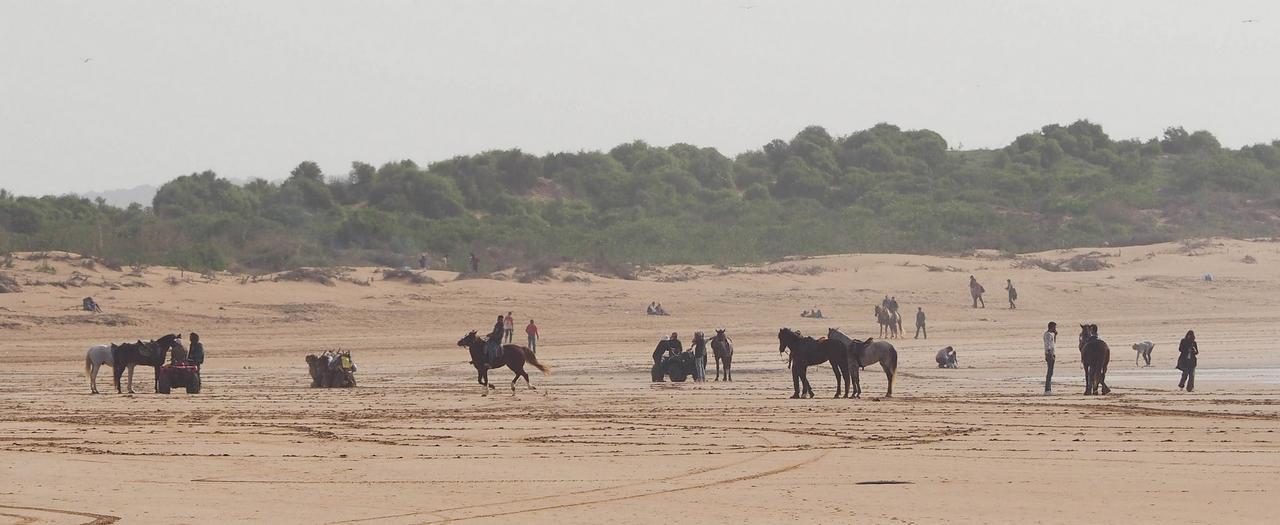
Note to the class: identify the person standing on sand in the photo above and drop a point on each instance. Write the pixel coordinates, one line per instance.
(197, 350)
(1013, 293)
(1187, 352)
(699, 349)
(920, 323)
(532, 332)
(509, 327)
(976, 290)
(1050, 343)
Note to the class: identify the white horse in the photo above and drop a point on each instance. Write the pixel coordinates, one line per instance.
(93, 360)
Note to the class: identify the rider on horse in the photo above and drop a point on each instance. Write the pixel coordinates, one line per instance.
(493, 346)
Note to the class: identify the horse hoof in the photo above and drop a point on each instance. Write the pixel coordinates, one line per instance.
(795, 396)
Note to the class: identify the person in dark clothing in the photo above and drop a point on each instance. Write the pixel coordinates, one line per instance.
(196, 355)
(1187, 352)
(670, 345)
(493, 344)
(1050, 349)
(475, 263)
(893, 304)
(920, 323)
(1013, 293)
(976, 290)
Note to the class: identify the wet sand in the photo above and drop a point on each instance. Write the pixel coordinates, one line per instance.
(597, 442)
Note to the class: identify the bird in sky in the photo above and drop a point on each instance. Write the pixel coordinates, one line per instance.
(86, 61)
(1249, 21)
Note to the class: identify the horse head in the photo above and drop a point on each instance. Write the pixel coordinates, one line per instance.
(468, 339)
(785, 335)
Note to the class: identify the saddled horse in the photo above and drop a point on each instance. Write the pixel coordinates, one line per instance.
(129, 355)
(865, 353)
(722, 347)
(807, 352)
(1095, 355)
(513, 356)
(890, 322)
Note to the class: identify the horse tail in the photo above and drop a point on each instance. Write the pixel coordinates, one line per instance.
(893, 366)
(88, 362)
(533, 360)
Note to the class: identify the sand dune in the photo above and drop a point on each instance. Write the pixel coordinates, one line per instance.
(597, 442)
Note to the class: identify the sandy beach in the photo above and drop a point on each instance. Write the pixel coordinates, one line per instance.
(597, 442)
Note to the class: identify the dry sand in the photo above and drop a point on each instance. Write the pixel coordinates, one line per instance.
(598, 443)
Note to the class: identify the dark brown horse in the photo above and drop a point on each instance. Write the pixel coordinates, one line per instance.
(150, 353)
(807, 352)
(1095, 355)
(513, 356)
(722, 347)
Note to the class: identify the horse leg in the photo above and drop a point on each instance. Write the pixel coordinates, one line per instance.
(1088, 380)
(93, 378)
(728, 366)
(513, 382)
(795, 382)
(804, 378)
(857, 380)
(131, 379)
(888, 375)
(717, 368)
(836, 369)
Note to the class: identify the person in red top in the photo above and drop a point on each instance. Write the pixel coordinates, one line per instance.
(532, 330)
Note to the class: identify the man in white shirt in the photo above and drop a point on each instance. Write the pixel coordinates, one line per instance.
(1050, 343)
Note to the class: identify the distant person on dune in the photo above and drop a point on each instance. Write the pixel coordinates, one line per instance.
(976, 290)
(920, 323)
(475, 263)
(1013, 293)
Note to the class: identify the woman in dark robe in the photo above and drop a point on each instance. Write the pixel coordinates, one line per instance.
(1187, 352)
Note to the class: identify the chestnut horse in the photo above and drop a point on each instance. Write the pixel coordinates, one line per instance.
(513, 356)
(807, 352)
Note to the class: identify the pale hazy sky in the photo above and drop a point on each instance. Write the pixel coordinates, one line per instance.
(251, 88)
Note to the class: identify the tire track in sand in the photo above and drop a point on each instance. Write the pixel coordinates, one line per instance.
(98, 519)
(747, 477)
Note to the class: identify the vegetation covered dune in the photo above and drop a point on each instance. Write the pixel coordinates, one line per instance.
(877, 190)
(598, 442)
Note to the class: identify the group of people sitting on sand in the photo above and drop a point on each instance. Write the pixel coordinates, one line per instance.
(655, 308)
(815, 313)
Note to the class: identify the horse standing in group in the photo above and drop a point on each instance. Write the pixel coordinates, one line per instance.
(1095, 355)
(807, 352)
(513, 356)
(127, 355)
(722, 347)
(890, 322)
(865, 353)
